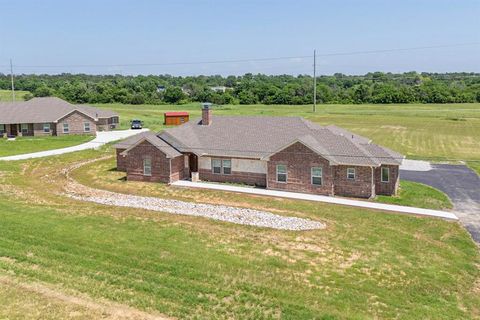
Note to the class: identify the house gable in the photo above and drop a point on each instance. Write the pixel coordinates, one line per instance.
(134, 161)
(307, 145)
(75, 111)
(299, 160)
(165, 149)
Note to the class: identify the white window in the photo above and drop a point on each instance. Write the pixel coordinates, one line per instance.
(222, 166)
(281, 173)
(351, 173)
(217, 166)
(66, 128)
(147, 166)
(182, 120)
(227, 166)
(385, 174)
(86, 126)
(317, 175)
(24, 128)
(46, 127)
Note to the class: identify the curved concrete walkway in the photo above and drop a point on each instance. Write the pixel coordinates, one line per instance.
(326, 199)
(101, 139)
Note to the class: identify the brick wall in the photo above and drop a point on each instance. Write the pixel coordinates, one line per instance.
(76, 122)
(107, 124)
(121, 160)
(38, 130)
(387, 188)
(360, 187)
(206, 116)
(299, 160)
(250, 178)
(163, 169)
(177, 171)
(160, 164)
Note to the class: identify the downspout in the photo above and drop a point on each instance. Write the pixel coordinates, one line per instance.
(373, 184)
(170, 170)
(333, 180)
(266, 176)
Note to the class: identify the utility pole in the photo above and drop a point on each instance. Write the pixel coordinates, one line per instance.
(314, 81)
(11, 78)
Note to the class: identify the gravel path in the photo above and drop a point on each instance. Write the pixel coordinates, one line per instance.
(236, 215)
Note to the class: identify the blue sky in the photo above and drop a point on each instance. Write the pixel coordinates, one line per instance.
(107, 32)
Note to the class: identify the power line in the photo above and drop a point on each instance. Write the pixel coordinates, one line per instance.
(314, 81)
(11, 78)
(251, 59)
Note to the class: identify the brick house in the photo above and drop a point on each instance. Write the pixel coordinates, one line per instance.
(53, 116)
(281, 153)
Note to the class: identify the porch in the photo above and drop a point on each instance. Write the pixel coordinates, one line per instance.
(16, 130)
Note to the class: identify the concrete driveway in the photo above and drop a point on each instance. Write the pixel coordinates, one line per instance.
(461, 184)
(101, 139)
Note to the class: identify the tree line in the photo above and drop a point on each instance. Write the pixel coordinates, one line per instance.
(376, 87)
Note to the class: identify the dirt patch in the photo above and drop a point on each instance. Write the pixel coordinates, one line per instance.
(109, 310)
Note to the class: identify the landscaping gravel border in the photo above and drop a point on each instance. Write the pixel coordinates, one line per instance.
(236, 215)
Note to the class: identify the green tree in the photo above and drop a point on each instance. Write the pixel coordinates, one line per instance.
(173, 95)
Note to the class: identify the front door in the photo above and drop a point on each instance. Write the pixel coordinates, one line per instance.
(193, 163)
(13, 130)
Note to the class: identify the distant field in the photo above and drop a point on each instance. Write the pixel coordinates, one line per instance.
(438, 131)
(6, 95)
(23, 145)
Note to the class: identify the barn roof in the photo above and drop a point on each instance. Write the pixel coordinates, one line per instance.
(176, 114)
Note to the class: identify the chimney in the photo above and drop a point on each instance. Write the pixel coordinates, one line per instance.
(206, 114)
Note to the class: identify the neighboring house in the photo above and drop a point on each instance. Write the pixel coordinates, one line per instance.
(161, 88)
(175, 118)
(53, 116)
(219, 89)
(281, 153)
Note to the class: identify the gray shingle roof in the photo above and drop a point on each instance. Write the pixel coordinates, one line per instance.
(259, 137)
(49, 109)
(153, 139)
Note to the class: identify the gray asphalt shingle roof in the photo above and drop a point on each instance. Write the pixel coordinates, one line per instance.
(259, 137)
(153, 139)
(49, 109)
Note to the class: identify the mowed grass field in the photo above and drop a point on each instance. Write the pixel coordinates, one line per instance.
(6, 95)
(63, 258)
(56, 253)
(427, 131)
(23, 145)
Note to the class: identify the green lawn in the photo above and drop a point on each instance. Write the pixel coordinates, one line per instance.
(23, 145)
(418, 195)
(442, 131)
(364, 265)
(6, 95)
(475, 165)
